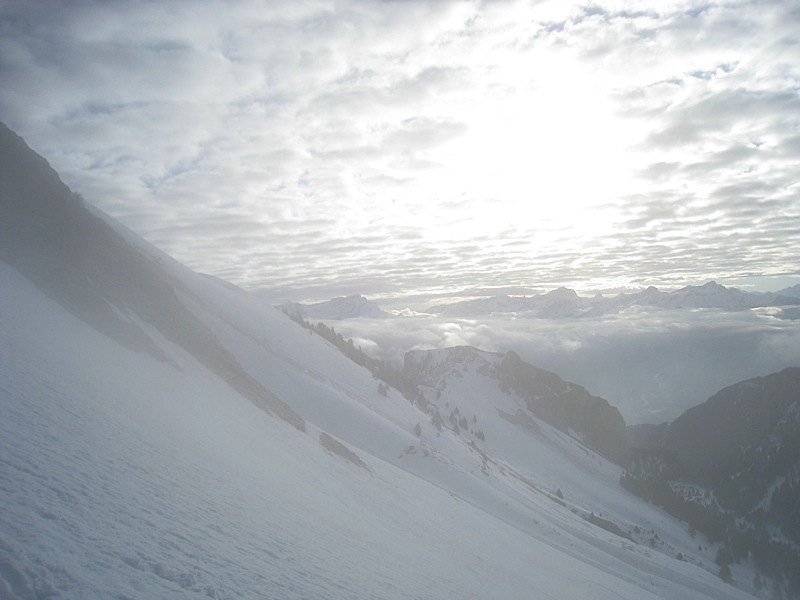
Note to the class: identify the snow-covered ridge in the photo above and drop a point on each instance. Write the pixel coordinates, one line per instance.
(430, 367)
(563, 405)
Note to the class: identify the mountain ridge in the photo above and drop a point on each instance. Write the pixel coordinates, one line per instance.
(51, 237)
(565, 303)
(343, 307)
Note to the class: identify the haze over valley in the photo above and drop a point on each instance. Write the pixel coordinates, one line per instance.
(652, 354)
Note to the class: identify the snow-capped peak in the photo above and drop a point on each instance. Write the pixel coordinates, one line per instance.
(345, 307)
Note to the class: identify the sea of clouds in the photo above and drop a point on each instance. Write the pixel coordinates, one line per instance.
(651, 364)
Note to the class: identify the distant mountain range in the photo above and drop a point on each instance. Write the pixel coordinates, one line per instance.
(565, 303)
(346, 307)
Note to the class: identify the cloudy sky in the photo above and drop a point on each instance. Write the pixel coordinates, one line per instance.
(390, 147)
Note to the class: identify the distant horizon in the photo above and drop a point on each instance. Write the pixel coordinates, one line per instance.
(756, 284)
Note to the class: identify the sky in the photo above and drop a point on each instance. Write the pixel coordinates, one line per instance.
(411, 147)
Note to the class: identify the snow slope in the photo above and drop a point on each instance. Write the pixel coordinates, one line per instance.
(169, 467)
(125, 477)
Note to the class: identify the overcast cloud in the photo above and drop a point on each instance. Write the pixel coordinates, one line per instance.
(396, 147)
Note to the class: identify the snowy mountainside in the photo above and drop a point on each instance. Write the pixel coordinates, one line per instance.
(464, 392)
(124, 477)
(76, 257)
(564, 405)
(164, 434)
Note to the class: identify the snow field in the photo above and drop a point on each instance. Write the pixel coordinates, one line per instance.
(125, 477)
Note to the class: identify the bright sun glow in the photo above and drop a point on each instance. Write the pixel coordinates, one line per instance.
(543, 157)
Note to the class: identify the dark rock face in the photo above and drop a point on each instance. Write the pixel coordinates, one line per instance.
(747, 414)
(730, 467)
(566, 406)
(743, 439)
(77, 259)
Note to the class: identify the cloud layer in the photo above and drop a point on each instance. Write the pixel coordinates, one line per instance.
(381, 147)
(651, 364)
